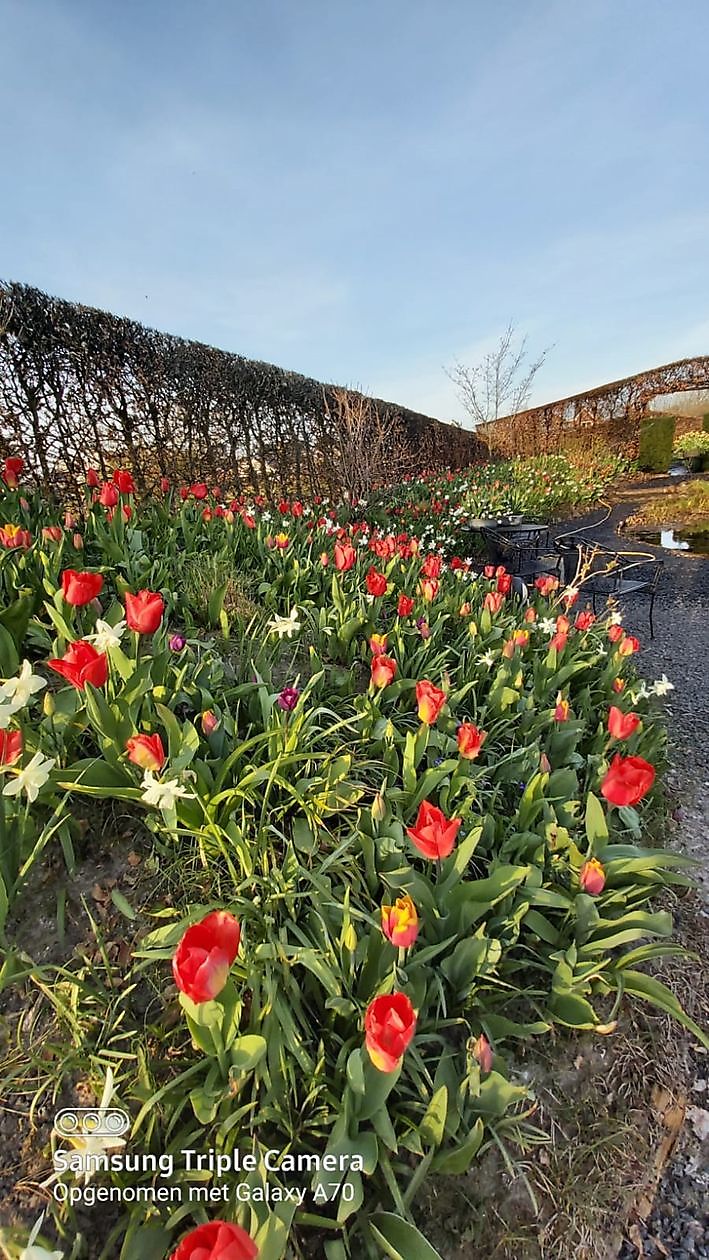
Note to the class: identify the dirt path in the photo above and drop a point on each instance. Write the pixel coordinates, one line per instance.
(678, 1223)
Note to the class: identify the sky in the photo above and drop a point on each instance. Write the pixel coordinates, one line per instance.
(368, 190)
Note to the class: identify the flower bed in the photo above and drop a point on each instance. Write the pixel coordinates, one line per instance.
(408, 814)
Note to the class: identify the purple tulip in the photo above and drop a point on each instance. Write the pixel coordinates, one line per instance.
(288, 699)
(177, 642)
(423, 628)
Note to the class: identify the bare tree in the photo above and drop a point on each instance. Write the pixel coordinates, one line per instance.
(501, 383)
(370, 443)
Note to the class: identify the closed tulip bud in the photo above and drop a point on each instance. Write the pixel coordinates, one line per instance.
(69, 520)
(78, 542)
(209, 722)
(48, 706)
(379, 808)
(482, 1052)
(592, 877)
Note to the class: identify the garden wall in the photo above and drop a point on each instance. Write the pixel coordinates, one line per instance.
(611, 413)
(80, 387)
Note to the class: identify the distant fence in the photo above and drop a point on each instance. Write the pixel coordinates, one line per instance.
(82, 388)
(612, 412)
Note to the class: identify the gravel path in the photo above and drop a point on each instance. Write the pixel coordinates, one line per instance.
(678, 1225)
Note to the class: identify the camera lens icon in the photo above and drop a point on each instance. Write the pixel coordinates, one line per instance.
(91, 1122)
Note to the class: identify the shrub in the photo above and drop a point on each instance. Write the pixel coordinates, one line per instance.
(696, 442)
(705, 421)
(656, 438)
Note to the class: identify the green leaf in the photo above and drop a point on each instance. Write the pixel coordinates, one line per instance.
(461, 1157)
(432, 1127)
(121, 904)
(246, 1052)
(654, 991)
(596, 826)
(400, 1239)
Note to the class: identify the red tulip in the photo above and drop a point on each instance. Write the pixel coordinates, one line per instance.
(144, 611)
(433, 834)
(405, 606)
(430, 701)
(14, 537)
(92, 478)
(164, 485)
(383, 670)
(80, 588)
(504, 583)
(324, 559)
(431, 567)
(53, 533)
(622, 725)
(389, 1025)
(627, 780)
(592, 877)
(628, 645)
(124, 481)
(482, 1051)
(546, 584)
(217, 1240)
(146, 751)
(10, 747)
(204, 956)
(109, 496)
(11, 469)
(345, 556)
(429, 589)
(209, 722)
(493, 601)
(618, 685)
(378, 644)
(470, 740)
(561, 711)
(615, 632)
(584, 620)
(81, 664)
(400, 922)
(376, 582)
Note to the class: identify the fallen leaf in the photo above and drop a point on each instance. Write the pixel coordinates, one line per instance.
(699, 1120)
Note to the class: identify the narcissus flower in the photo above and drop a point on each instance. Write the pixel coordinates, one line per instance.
(622, 725)
(285, 625)
(146, 751)
(31, 778)
(470, 740)
(162, 793)
(482, 1052)
(400, 922)
(430, 701)
(376, 582)
(389, 1025)
(592, 877)
(81, 664)
(144, 611)
(106, 636)
(627, 780)
(217, 1240)
(383, 670)
(433, 834)
(203, 958)
(345, 556)
(80, 588)
(10, 747)
(16, 692)
(405, 606)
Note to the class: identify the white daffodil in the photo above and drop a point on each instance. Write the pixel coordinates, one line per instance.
(20, 690)
(615, 618)
(90, 1145)
(285, 625)
(33, 1252)
(641, 693)
(33, 777)
(570, 592)
(7, 712)
(487, 659)
(106, 636)
(547, 625)
(662, 686)
(162, 792)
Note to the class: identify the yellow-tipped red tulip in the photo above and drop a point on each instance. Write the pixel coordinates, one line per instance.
(400, 922)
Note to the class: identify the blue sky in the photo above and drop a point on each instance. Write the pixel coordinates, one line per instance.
(366, 190)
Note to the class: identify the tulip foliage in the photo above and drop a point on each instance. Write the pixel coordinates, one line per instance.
(410, 816)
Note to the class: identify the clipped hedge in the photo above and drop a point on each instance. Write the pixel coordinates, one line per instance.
(656, 441)
(705, 421)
